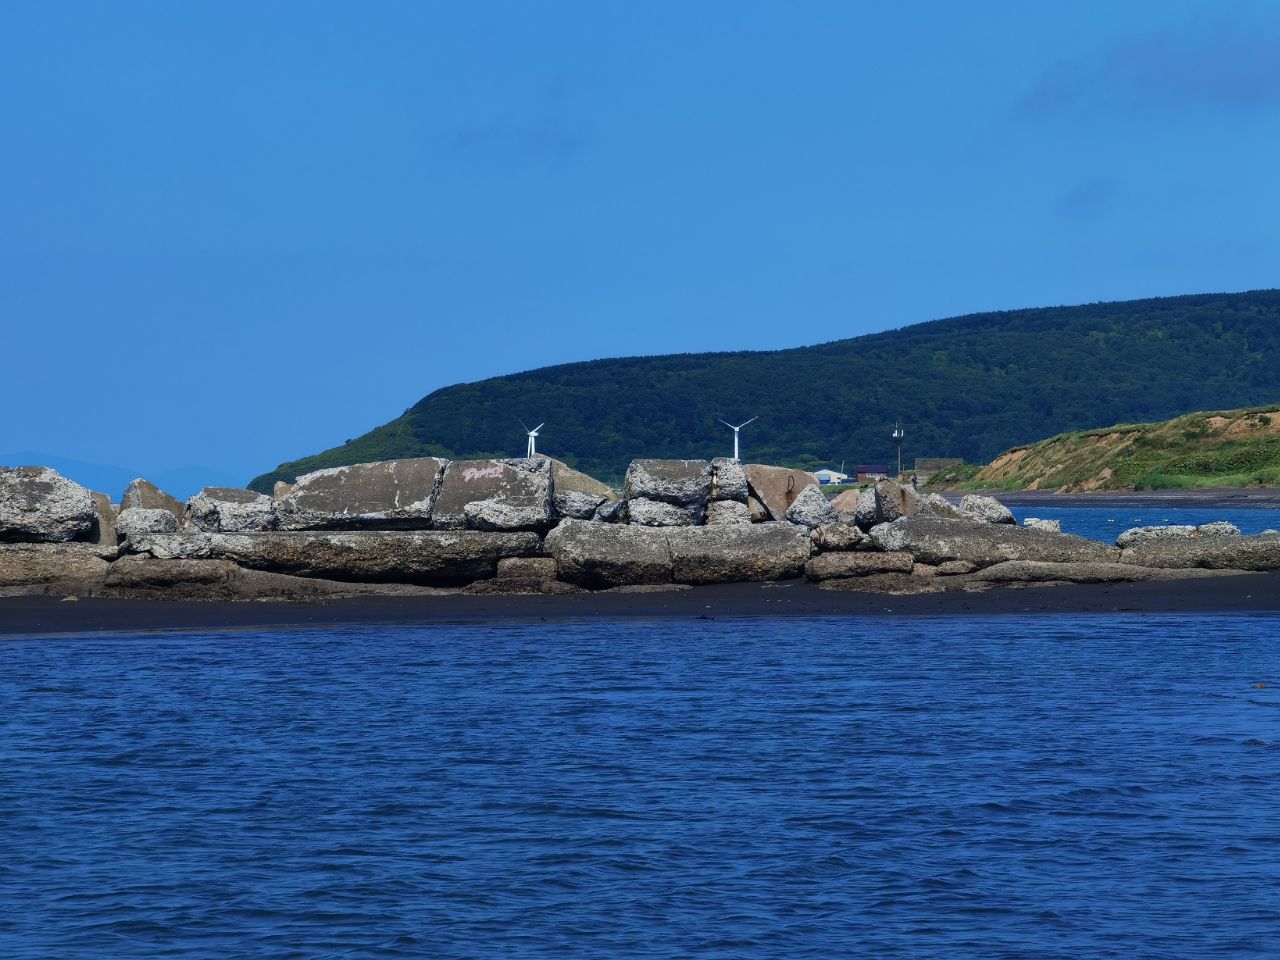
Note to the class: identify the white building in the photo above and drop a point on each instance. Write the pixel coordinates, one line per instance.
(826, 476)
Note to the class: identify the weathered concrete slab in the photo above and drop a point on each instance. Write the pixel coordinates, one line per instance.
(144, 495)
(519, 488)
(685, 483)
(729, 480)
(39, 505)
(386, 495)
(934, 541)
(138, 522)
(831, 566)
(608, 555)
(722, 512)
(427, 556)
(576, 495)
(230, 510)
(1031, 571)
(104, 521)
(737, 553)
(777, 487)
(67, 568)
(1261, 552)
(657, 513)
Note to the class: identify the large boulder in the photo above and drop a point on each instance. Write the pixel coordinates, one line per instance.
(1135, 536)
(894, 500)
(738, 553)
(230, 510)
(419, 556)
(811, 509)
(609, 555)
(845, 504)
(146, 578)
(519, 488)
(777, 487)
(985, 509)
(54, 568)
(681, 483)
(138, 522)
(1223, 552)
(728, 480)
(657, 513)
(144, 495)
(933, 540)
(1035, 571)
(39, 505)
(722, 512)
(387, 495)
(1036, 523)
(104, 521)
(837, 536)
(576, 495)
(833, 566)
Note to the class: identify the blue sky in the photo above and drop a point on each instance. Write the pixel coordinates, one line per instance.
(234, 233)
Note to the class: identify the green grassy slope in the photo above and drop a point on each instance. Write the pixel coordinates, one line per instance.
(969, 387)
(1229, 448)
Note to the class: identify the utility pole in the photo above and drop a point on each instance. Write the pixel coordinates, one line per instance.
(897, 436)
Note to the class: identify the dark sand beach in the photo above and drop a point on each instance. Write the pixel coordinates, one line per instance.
(1253, 593)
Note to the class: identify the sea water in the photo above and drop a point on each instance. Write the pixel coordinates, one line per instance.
(1107, 523)
(975, 787)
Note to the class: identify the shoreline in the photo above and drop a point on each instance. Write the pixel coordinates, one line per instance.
(49, 616)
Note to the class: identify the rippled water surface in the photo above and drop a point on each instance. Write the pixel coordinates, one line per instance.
(1107, 523)
(959, 788)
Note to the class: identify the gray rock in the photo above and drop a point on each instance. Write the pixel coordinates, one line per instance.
(387, 495)
(146, 578)
(611, 511)
(527, 568)
(656, 513)
(1261, 552)
(1032, 571)
(576, 504)
(846, 506)
(422, 557)
(759, 512)
(837, 536)
(889, 584)
(684, 483)
(1035, 523)
(935, 541)
(521, 484)
(985, 509)
(52, 568)
(894, 500)
(952, 568)
(141, 494)
(104, 521)
(1175, 532)
(831, 566)
(39, 505)
(722, 512)
(936, 505)
(738, 553)
(608, 555)
(230, 510)
(511, 587)
(138, 522)
(812, 509)
(865, 511)
(500, 514)
(777, 487)
(728, 480)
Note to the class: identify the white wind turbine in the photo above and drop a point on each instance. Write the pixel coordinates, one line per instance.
(533, 438)
(735, 433)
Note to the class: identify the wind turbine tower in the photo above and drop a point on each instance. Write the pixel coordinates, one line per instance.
(735, 433)
(533, 438)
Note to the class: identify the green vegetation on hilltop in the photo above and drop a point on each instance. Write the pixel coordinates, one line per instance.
(1230, 448)
(966, 387)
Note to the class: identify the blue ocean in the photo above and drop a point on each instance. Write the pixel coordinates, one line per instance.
(1107, 523)
(978, 787)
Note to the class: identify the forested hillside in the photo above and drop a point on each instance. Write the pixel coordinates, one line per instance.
(970, 386)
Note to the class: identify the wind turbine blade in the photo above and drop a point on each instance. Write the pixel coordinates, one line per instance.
(727, 424)
(539, 426)
(523, 424)
(752, 420)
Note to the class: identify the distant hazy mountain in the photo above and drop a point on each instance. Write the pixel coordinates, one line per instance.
(181, 482)
(970, 386)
